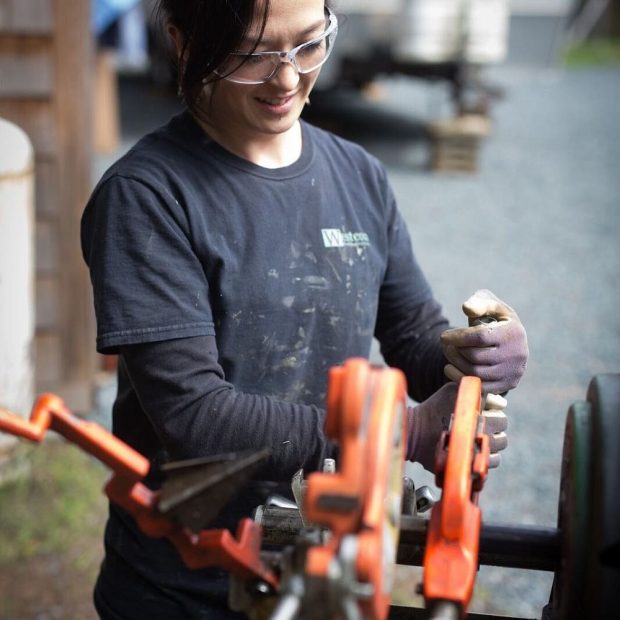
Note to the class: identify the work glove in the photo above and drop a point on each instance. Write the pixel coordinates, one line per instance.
(426, 422)
(496, 352)
(495, 425)
(430, 418)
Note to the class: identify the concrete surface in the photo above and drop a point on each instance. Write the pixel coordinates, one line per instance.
(539, 225)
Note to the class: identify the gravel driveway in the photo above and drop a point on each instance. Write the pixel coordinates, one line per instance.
(540, 226)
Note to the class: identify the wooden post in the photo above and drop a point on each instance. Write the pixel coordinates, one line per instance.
(73, 52)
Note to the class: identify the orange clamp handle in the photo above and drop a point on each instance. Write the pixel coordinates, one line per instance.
(451, 556)
(50, 412)
(208, 548)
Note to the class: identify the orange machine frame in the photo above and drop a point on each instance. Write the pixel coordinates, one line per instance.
(366, 416)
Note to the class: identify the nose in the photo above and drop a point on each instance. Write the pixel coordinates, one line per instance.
(287, 76)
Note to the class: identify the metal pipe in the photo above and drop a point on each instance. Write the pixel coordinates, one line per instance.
(287, 607)
(512, 546)
(534, 548)
(444, 610)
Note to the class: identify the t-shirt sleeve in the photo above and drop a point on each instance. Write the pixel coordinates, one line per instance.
(148, 284)
(409, 319)
(404, 284)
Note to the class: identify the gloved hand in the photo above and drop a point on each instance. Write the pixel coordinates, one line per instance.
(495, 425)
(430, 418)
(495, 352)
(426, 422)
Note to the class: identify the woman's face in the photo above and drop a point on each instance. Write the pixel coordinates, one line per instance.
(260, 110)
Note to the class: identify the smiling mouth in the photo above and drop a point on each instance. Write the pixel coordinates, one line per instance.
(276, 102)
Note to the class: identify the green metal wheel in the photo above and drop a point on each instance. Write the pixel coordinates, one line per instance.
(587, 586)
(604, 397)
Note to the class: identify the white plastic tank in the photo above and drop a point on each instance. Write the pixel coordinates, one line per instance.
(16, 272)
(446, 30)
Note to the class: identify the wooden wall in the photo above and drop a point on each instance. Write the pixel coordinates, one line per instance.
(45, 87)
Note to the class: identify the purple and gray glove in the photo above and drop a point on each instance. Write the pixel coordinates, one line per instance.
(426, 422)
(496, 352)
(430, 418)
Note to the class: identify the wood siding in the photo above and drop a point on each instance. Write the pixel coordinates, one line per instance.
(46, 68)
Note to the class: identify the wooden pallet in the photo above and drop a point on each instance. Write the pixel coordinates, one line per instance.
(456, 142)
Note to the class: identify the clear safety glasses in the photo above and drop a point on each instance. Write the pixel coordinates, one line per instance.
(260, 67)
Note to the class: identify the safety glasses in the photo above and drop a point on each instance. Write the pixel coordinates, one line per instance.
(260, 67)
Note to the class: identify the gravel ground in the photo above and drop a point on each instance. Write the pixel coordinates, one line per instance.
(539, 224)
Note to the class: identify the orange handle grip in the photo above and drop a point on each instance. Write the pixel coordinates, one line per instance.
(50, 412)
(457, 479)
(209, 548)
(451, 557)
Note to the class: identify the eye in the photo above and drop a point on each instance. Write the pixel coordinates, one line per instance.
(255, 59)
(312, 48)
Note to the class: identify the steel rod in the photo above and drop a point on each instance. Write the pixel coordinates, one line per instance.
(510, 546)
(533, 548)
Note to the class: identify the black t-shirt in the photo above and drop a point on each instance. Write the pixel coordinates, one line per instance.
(287, 268)
(229, 290)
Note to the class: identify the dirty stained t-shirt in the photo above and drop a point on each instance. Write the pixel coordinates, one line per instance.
(276, 275)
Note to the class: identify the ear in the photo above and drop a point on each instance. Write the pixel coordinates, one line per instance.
(177, 38)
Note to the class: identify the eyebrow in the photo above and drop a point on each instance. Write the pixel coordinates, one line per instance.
(304, 33)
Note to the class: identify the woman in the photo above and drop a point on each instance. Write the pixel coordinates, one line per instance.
(236, 254)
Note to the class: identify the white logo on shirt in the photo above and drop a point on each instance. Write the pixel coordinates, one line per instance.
(336, 238)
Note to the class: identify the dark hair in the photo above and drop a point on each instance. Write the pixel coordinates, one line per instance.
(211, 29)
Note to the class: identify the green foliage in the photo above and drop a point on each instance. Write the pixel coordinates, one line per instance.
(59, 501)
(597, 52)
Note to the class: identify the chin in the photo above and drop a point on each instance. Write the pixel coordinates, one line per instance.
(281, 126)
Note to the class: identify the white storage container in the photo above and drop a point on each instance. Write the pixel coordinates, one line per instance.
(445, 30)
(370, 7)
(16, 271)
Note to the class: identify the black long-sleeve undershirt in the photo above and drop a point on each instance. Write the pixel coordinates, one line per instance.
(194, 411)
